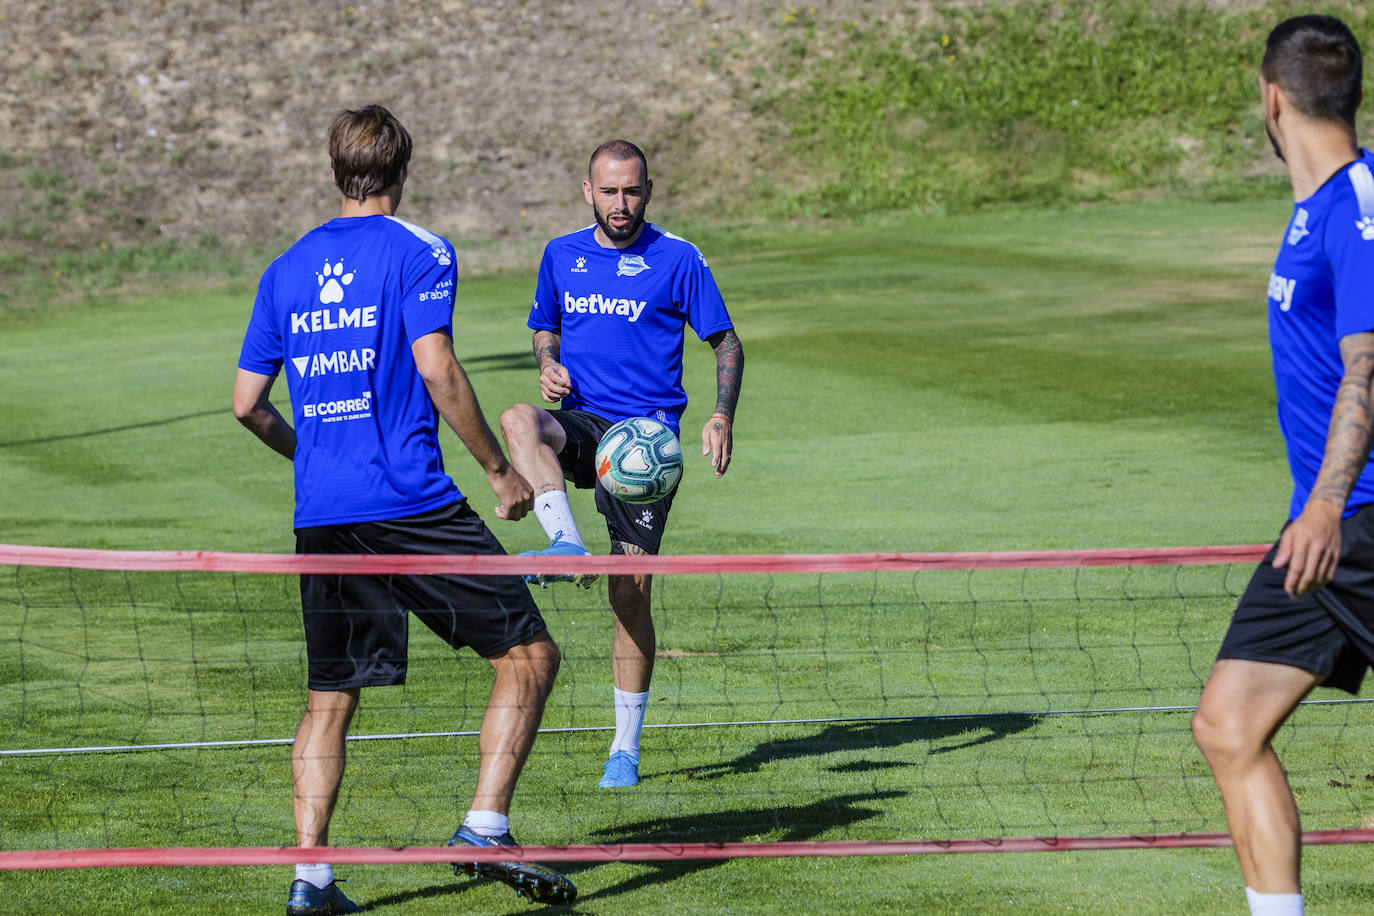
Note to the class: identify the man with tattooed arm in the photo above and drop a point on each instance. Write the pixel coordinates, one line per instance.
(610, 311)
(1307, 617)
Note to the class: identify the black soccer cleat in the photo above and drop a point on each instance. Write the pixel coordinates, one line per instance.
(306, 899)
(540, 884)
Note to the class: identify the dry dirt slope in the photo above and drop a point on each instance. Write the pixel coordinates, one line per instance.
(144, 119)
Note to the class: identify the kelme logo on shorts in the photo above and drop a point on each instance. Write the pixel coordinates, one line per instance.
(597, 304)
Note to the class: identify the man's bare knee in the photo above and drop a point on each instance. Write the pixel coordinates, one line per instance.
(1226, 734)
(520, 420)
(539, 658)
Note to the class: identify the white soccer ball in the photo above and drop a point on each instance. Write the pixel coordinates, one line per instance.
(639, 460)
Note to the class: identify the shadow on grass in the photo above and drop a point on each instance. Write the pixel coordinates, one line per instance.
(960, 732)
(790, 823)
(117, 429)
(494, 362)
(781, 824)
(424, 893)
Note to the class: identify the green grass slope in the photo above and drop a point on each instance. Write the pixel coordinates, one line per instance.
(1086, 378)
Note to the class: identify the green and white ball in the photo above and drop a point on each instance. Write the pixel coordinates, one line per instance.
(639, 460)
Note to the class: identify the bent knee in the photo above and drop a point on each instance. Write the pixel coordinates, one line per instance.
(520, 417)
(1226, 733)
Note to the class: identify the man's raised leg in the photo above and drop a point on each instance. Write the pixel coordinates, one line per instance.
(534, 441)
(1243, 705)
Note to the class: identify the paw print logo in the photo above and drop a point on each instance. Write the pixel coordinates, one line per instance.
(441, 255)
(1366, 226)
(648, 516)
(332, 280)
(581, 262)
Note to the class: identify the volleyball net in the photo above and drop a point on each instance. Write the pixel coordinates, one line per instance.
(801, 705)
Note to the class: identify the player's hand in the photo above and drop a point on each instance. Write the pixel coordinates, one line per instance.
(554, 382)
(514, 492)
(1309, 548)
(717, 440)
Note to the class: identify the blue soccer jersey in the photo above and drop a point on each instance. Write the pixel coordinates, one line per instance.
(621, 313)
(1322, 289)
(339, 311)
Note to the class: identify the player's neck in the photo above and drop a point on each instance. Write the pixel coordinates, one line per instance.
(383, 204)
(1316, 153)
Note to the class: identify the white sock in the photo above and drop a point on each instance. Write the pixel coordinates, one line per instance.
(487, 823)
(555, 514)
(629, 721)
(318, 875)
(1273, 904)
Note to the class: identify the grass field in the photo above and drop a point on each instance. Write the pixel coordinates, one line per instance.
(1012, 380)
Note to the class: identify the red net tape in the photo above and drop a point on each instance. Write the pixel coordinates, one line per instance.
(371, 564)
(636, 852)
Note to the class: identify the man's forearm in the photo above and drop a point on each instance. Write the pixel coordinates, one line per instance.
(457, 403)
(547, 348)
(729, 372)
(267, 424)
(1350, 433)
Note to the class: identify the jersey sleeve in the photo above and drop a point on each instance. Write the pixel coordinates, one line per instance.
(431, 279)
(1349, 245)
(695, 288)
(546, 314)
(262, 344)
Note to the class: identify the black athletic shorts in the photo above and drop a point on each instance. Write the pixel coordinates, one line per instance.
(641, 525)
(1329, 631)
(356, 626)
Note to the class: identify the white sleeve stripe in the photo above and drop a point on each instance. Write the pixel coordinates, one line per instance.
(425, 235)
(1363, 183)
(668, 235)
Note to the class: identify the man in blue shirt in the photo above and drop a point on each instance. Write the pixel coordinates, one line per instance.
(1307, 616)
(359, 315)
(609, 318)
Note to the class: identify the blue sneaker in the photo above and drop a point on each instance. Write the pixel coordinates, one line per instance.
(306, 899)
(540, 884)
(620, 771)
(559, 548)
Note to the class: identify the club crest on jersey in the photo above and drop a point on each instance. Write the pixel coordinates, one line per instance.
(332, 280)
(631, 265)
(1366, 226)
(1298, 231)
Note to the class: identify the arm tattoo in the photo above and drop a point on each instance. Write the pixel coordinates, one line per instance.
(1351, 431)
(547, 346)
(729, 371)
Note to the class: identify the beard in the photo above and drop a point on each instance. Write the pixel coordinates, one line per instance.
(1273, 141)
(619, 235)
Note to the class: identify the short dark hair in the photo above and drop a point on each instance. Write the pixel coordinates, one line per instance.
(619, 150)
(369, 150)
(1316, 61)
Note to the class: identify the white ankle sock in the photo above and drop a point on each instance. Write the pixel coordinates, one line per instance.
(555, 514)
(487, 823)
(629, 721)
(1273, 904)
(318, 875)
